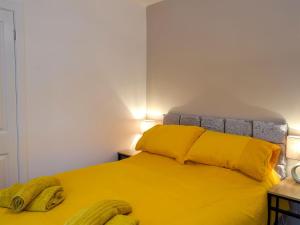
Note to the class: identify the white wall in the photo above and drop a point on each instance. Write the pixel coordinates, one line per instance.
(85, 65)
(225, 58)
(85, 68)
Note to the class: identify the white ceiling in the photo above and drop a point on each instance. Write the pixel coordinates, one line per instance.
(148, 2)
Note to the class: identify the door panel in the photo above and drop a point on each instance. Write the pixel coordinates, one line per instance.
(8, 115)
(3, 171)
(1, 82)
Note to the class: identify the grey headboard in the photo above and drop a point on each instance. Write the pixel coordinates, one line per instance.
(269, 131)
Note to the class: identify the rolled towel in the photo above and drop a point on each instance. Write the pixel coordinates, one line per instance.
(47, 200)
(7, 194)
(30, 191)
(122, 220)
(100, 213)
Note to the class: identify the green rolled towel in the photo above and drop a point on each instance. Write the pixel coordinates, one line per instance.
(122, 220)
(47, 200)
(30, 191)
(100, 213)
(7, 194)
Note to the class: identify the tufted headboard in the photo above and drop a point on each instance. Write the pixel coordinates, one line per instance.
(268, 131)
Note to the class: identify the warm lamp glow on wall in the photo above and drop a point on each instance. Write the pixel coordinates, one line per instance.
(147, 124)
(134, 141)
(293, 152)
(144, 126)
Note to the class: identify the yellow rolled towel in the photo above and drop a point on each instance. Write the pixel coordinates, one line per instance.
(100, 213)
(30, 191)
(47, 200)
(7, 194)
(122, 220)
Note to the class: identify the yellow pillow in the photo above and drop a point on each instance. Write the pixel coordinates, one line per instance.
(169, 140)
(258, 158)
(218, 149)
(251, 156)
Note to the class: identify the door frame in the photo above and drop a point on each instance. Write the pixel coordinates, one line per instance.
(17, 6)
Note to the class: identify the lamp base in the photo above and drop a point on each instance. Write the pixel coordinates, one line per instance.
(295, 176)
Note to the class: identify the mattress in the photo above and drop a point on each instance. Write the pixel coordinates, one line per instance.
(161, 191)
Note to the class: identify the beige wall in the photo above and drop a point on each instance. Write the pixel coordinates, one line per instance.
(85, 74)
(225, 58)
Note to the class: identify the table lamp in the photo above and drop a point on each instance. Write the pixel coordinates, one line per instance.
(144, 126)
(293, 152)
(147, 124)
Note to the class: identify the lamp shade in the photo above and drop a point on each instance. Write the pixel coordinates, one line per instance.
(293, 147)
(147, 124)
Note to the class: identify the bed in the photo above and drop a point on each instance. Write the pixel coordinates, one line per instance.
(162, 191)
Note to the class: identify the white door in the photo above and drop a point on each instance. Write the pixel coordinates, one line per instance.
(8, 115)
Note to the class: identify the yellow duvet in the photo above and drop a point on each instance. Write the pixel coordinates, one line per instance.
(161, 192)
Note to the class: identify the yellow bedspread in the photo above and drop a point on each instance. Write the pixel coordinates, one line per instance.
(161, 191)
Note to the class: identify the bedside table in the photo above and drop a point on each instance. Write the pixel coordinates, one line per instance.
(288, 190)
(126, 154)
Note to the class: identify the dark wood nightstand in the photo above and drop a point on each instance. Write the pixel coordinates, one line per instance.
(288, 190)
(126, 154)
